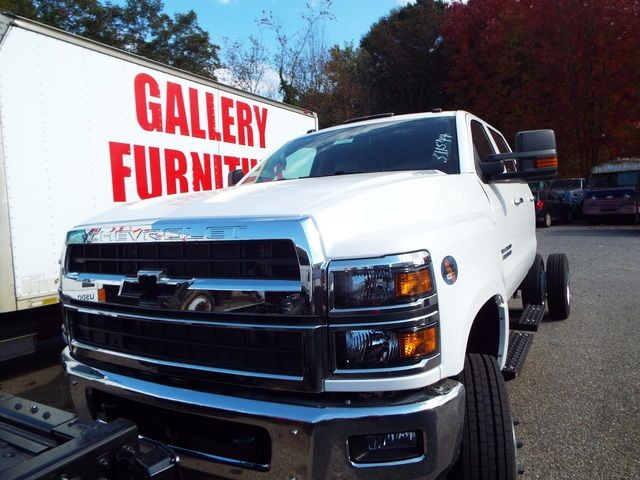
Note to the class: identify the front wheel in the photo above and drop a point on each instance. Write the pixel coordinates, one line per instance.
(488, 450)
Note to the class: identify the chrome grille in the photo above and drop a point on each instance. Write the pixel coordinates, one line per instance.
(260, 351)
(250, 259)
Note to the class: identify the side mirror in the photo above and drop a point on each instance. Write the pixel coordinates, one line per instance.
(234, 177)
(535, 158)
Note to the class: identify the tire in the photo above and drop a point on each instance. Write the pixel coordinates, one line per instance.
(546, 222)
(534, 285)
(558, 286)
(488, 450)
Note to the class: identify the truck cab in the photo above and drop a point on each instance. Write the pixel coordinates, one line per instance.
(331, 316)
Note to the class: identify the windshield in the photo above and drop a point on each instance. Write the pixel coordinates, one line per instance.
(416, 144)
(566, 184)
(615, 179)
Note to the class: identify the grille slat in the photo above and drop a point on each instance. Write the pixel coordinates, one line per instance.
(266, 259)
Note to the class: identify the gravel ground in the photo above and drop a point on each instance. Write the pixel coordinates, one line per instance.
(578, 395)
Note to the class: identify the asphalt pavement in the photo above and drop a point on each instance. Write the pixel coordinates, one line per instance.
(578, 395)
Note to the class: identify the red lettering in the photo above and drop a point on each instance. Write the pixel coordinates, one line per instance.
(196, 131)
(232, 162)
(143, 106)
(139, 154)
(118, 171)
(201, 172)
(217, 169)
(227, 120)
(176, 113)
(245, 133)
(175, 164)
(261, 119)
(211, 118)
(254, 162)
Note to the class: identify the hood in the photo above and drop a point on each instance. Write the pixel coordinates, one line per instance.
(355, 214)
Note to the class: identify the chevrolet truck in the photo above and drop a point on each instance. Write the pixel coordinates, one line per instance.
(84, 127)
(341, 313)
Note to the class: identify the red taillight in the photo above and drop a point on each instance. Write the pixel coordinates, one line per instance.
(539, 205)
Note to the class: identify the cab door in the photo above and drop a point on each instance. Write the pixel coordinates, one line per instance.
(513, 208)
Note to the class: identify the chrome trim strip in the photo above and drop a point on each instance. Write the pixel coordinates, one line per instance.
(424, 364)
(219, 284)
(342, 326)
(409, 260)
(397, 463)
(407, 306)
(262, 326)
(143, 363)
(215, 458)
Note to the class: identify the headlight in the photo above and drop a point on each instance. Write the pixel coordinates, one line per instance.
(380, 282)
(377, 348)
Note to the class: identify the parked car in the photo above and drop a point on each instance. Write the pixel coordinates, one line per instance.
(571, 190)
(550, 205)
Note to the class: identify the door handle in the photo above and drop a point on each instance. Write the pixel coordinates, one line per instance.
(518, 201)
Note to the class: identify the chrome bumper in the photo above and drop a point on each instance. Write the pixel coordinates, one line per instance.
(308, 440)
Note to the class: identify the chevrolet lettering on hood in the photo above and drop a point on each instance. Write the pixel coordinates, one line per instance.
(149, 233)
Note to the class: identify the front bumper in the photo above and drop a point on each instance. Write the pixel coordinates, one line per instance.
(309, 439)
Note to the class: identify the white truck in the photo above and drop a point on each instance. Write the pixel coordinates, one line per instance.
(340, 314)
(84, 127)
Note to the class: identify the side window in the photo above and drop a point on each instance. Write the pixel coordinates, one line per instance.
(503, 147)
(481, 144)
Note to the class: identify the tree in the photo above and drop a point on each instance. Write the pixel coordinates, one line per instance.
(301, 57)
(246, 66)
(406, 66)
(139, 27)
(569, 65)
(344, 96)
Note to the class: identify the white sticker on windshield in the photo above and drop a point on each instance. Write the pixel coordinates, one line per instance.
(441, 151)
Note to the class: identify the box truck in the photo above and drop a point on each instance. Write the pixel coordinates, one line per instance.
(83, 127)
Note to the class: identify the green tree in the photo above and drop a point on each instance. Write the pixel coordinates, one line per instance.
(406, 66)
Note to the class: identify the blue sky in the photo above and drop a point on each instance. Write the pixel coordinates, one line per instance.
(236, 19)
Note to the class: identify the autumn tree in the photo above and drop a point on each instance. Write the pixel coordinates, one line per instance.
(569, 65)
(138, 26)
(343, 96)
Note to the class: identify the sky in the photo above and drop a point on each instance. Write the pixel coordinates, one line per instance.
(236, 19)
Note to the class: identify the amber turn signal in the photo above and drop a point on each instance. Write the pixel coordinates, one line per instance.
(419, 343)
(412, 284)
(546, 162)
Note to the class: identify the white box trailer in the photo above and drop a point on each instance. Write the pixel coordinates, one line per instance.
(84, 126)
